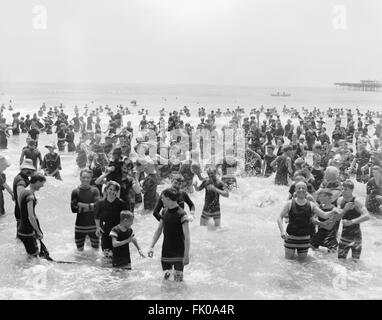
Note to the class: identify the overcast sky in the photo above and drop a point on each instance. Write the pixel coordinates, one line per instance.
(222, 42)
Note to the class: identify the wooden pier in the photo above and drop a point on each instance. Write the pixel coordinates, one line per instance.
(363, 85)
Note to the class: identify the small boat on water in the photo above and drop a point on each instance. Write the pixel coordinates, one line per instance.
(278, 94)
(134, 103)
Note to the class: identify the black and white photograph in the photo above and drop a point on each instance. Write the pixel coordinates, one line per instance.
(190, 150)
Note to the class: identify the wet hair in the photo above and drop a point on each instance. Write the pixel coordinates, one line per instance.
(170, 193)
(287, 148)
(126, 215)
(348, 184)
(86, 171)
(113, 183)
(37, 177)
(177, 177)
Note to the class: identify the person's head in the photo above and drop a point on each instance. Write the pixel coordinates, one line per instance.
(301, 189)
(37, 181)
(298, 177)
(331, 174)
(299, 163)
(288, 150)
(325, 196)
(86, 177)
(211, 171)
(112, 189)
(316, 159)
(32, 144)
(126, 218)
(377, 172)
(4, 164)
(270, 149)
(97, 138)
(117, 152)
(347, 188)
(169, 197)
(279, 141)
(177, 181)
(50, 148)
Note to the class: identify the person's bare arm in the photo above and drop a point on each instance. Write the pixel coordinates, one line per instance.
(187, 241)
(156, 236)
(364, 215)
(280, 219)
(135, 242)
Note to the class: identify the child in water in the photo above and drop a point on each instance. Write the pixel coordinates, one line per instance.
(121, 236)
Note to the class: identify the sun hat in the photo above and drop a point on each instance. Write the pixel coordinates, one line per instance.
(50, 146)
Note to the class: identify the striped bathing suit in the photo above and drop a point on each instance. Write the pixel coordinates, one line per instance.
(85, 223)
(299, 227)
(211, 207)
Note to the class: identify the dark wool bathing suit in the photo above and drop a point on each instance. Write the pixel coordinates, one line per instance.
(173, 239)
(211, 207)
(20, 180)
(85, 223)
(121, 254)
(109, 215)
(25, 230)
(351, 236)
(182, 198)
(326, 238)
(299, 227)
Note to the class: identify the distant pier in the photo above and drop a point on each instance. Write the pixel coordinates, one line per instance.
(363, 85)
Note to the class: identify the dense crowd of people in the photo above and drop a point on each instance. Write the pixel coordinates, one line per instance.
(120, 171)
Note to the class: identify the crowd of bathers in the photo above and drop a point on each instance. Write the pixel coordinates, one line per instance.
(117, 163)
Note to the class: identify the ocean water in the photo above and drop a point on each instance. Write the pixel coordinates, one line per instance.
(243, 260)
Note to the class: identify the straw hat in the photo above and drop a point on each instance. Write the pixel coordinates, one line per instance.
(27, 164)
(50, 146)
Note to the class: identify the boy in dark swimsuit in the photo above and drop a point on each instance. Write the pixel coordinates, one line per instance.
(176, 236)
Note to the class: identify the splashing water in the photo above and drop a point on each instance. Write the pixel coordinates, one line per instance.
(243, 260)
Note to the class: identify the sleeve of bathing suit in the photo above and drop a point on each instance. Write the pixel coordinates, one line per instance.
(158, 208)
(189, 202)
(74, 201)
